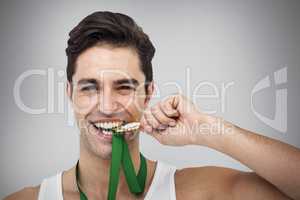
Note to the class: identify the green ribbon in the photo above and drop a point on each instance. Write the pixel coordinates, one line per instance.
(121, 157)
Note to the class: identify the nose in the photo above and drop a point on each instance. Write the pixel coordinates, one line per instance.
(107, 103)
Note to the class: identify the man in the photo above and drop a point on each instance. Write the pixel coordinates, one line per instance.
(110, 82)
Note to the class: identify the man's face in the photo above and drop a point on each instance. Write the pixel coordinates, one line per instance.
(107, 89)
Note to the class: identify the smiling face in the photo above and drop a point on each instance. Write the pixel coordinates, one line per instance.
(107, 90)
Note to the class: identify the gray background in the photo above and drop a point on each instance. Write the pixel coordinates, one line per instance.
(219, 41)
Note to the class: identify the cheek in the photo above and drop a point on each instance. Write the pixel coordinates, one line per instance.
(82, 105)
(137, 107)
(125, 100)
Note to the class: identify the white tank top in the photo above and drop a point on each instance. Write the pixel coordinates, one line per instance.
(162, 186)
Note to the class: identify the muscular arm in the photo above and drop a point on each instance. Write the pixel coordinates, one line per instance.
(276, 162)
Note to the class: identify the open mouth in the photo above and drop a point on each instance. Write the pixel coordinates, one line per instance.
(107, 127)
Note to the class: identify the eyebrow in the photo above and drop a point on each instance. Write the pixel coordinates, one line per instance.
(126, 81)
(87, 81)
(117, 82)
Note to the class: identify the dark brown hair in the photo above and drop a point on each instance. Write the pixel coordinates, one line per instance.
(112, 28)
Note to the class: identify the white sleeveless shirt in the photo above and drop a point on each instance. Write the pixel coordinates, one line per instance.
(162, 186)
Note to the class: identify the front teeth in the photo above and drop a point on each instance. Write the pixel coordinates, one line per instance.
(107, 125)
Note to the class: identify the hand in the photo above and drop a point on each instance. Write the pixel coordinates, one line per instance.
(173, 121)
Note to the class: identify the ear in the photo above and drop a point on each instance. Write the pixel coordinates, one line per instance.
(69, 90)
(149, 92)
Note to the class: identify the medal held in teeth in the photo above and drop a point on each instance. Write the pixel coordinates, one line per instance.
(120, 158)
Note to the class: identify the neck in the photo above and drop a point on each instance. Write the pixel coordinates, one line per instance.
(94, 171)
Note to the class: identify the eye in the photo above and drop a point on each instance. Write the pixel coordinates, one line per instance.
(126, 87)
(126, 90)
(88, 88)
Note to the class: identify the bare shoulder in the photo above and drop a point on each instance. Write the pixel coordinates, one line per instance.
(207, 182)
(30, 193)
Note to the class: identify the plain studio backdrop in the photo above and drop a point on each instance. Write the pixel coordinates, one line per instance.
(220, 53)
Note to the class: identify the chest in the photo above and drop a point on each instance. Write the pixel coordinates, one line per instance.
(75, 196)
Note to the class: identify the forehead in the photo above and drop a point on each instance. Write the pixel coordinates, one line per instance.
(107, 62)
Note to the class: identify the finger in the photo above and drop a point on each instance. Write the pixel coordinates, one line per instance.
(144, 125)
(151, 120)
(167, 108)
(161, 117)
